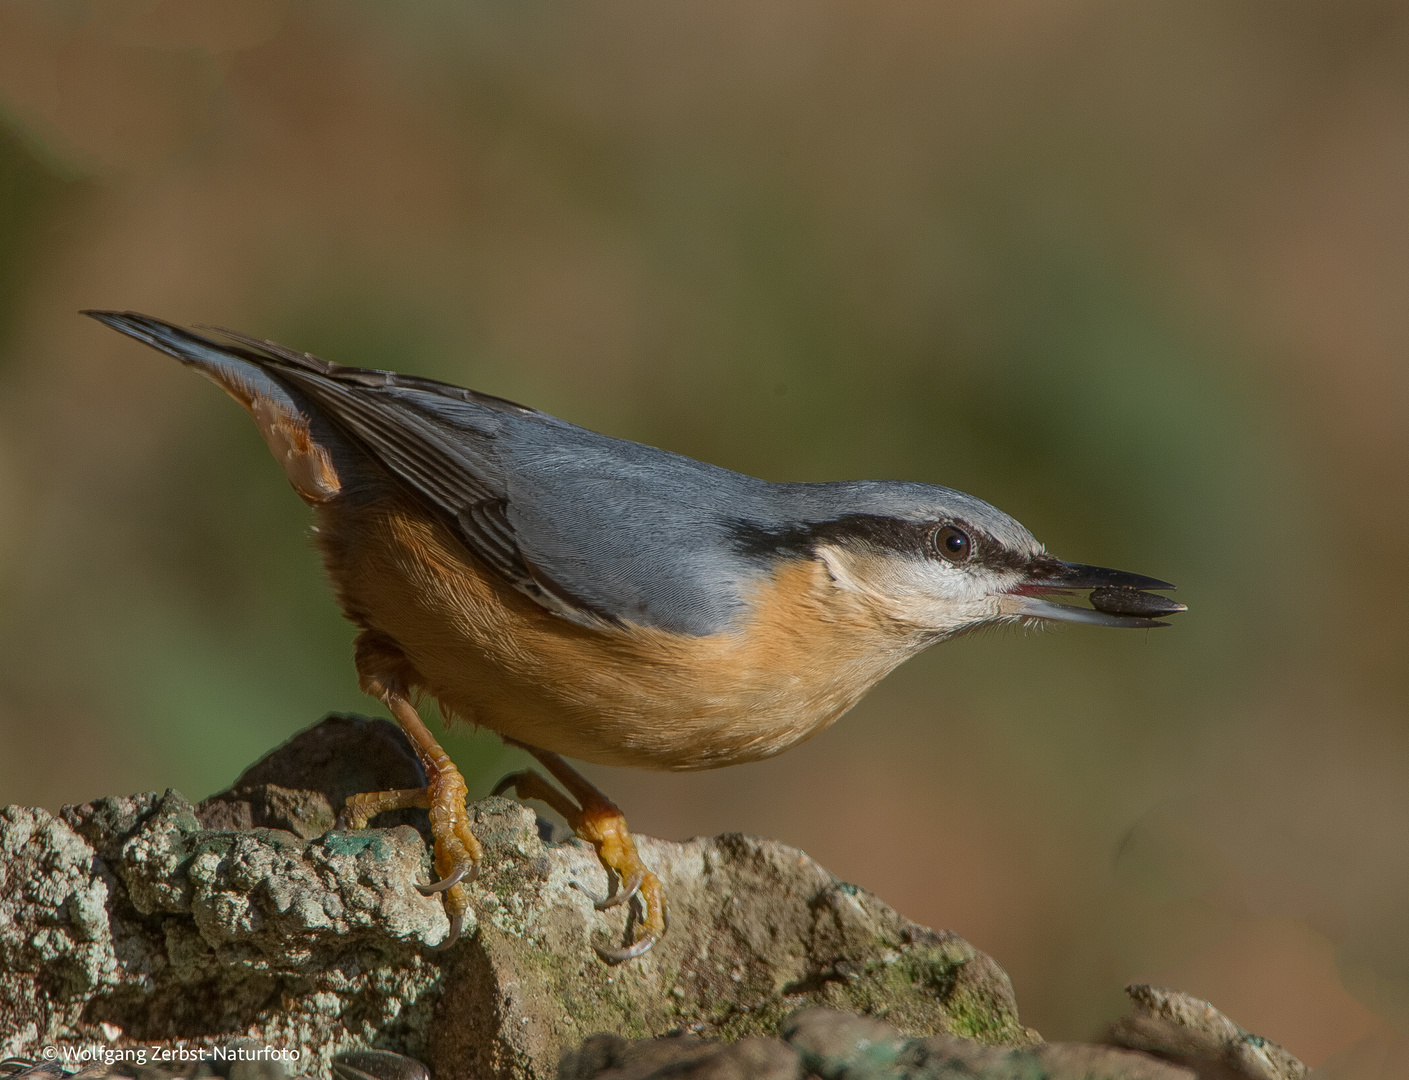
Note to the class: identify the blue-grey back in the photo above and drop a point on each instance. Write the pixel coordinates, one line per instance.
(667, 541)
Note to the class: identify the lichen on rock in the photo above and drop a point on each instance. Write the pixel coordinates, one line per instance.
(143, 920)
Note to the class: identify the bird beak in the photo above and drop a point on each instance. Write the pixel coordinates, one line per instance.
(1117, 598)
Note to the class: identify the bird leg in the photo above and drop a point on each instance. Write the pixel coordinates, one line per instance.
(457, 852)
(600, 822)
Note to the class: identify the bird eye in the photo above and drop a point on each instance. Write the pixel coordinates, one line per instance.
(953, 544)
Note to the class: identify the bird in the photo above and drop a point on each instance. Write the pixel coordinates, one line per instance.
(593, 598)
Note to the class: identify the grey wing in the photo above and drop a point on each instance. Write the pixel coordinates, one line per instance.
(598, 530)
(643, 533)
(439, 441)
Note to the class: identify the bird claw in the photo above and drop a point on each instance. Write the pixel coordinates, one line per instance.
(628, 889)
(631, 952)
(611, 900)
(507, 782)
(465, 871)
(457, 923)
(585, 891)
(639, 947)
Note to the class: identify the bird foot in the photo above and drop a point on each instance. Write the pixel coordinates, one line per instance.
(601, 823)
(457, 853)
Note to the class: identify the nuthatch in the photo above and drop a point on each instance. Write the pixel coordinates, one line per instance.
(591, 597)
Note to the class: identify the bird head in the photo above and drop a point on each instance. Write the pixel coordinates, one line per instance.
(938, 563)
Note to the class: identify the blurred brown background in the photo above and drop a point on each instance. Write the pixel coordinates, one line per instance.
(1136, 273)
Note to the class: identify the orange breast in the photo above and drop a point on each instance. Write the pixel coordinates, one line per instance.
(616, 696)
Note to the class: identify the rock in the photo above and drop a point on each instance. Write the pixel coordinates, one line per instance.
(944, 1057)
(681, 1057)
(835, 1043)
(377, 1065)
(757, 929)
(1191, 1031)
(249, 923)
(832, 1045)
(145, 920)
(302, 786)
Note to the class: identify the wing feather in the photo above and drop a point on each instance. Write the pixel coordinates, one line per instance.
(451, 466)
(436, 440)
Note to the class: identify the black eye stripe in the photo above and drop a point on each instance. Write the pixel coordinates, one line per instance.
(916, 538)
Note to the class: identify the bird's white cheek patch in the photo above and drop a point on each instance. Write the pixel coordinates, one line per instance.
(901, 590)
(855, 572)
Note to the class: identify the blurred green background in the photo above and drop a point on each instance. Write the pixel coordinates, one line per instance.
(1136, 273)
